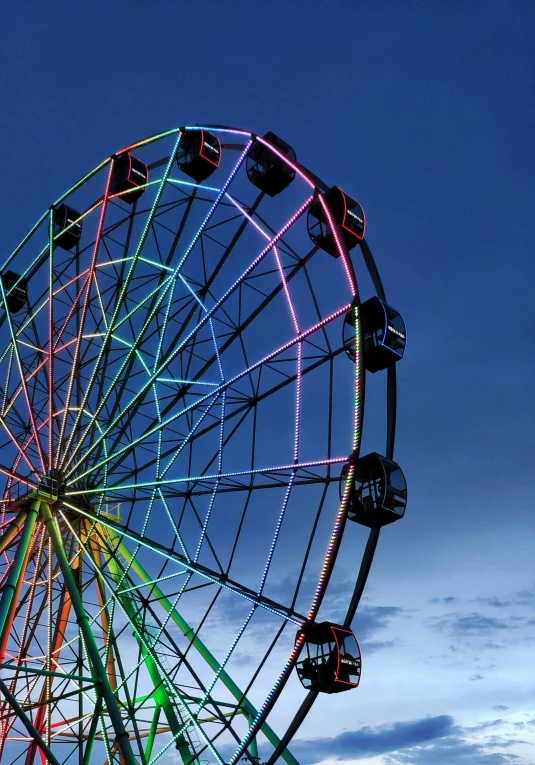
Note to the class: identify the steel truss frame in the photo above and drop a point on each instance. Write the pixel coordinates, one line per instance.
(115, 374)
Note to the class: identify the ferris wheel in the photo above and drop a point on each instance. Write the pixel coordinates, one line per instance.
(183, 353)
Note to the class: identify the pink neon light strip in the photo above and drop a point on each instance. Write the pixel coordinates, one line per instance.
(90, 277)
(31, 485)
(50, 342)
(339, 246)
(296, 425)
(22, 450)
(338, 526)
(216, 391)
(291, 467)
(287, 161)
(203, 321)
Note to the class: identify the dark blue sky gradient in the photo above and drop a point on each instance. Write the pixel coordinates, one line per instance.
(423, 110)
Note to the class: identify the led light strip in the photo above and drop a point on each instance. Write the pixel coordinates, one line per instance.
(338, 526)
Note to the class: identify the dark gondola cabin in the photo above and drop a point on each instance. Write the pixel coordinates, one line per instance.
(130, 175)
(16, 294)
(378, 494)
(67, 227)
(199, 154)
(383, 333)
(266, 169)
(345, 211)
(330, 660)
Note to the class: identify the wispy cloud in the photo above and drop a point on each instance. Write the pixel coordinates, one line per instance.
(372, 646)
(449, 599)
(371, 619)
(367, 741)
(472, 624)
(493, 602)
(428, 741)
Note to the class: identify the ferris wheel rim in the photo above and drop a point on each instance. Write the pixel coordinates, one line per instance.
(313, 183)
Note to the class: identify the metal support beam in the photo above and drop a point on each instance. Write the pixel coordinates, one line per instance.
(12, 530)
(162, 694)
(25, 720)
(45, 673)
(103, 687)
(10, 586)
(152, 733)
(294, 726)
(199, 646)
(92, 731)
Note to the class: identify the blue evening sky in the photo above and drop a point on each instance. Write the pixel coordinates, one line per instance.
(424, 110)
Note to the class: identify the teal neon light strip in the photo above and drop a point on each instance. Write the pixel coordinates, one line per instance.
(124, 289)
(163, 365)
(178, 559)
(338, 525)
(303, 335)
(154, 657)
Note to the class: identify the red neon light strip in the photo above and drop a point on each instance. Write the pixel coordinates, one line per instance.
(90, 276)
(50, 345)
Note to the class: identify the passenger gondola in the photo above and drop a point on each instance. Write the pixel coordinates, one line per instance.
(330, 660)
(16, 289)
(199, 154)
(345, 211)
(378, 494)
(67, 227)
(383, 332)
(266, 169)
(130, 175)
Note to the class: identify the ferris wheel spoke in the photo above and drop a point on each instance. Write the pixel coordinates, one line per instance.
(179, 347)
(24, 384)
(164, 423)
(124, 287)
(51, 341)
(196, 643)
(247, 407)
(173, 363)
(82, 321)
(204, 572)
(157, 303)
(146, 640)
(280, 473)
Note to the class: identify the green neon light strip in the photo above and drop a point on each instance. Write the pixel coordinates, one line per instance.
(89, 284)
(23, 381)
(156, 307)
(200, 647)
(149, 653)
(119, 303)
(177, 559)
(82, 180)
(91, 645)
(174, 353)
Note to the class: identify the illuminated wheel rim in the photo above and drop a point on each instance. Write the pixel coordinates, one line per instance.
(169, 429)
